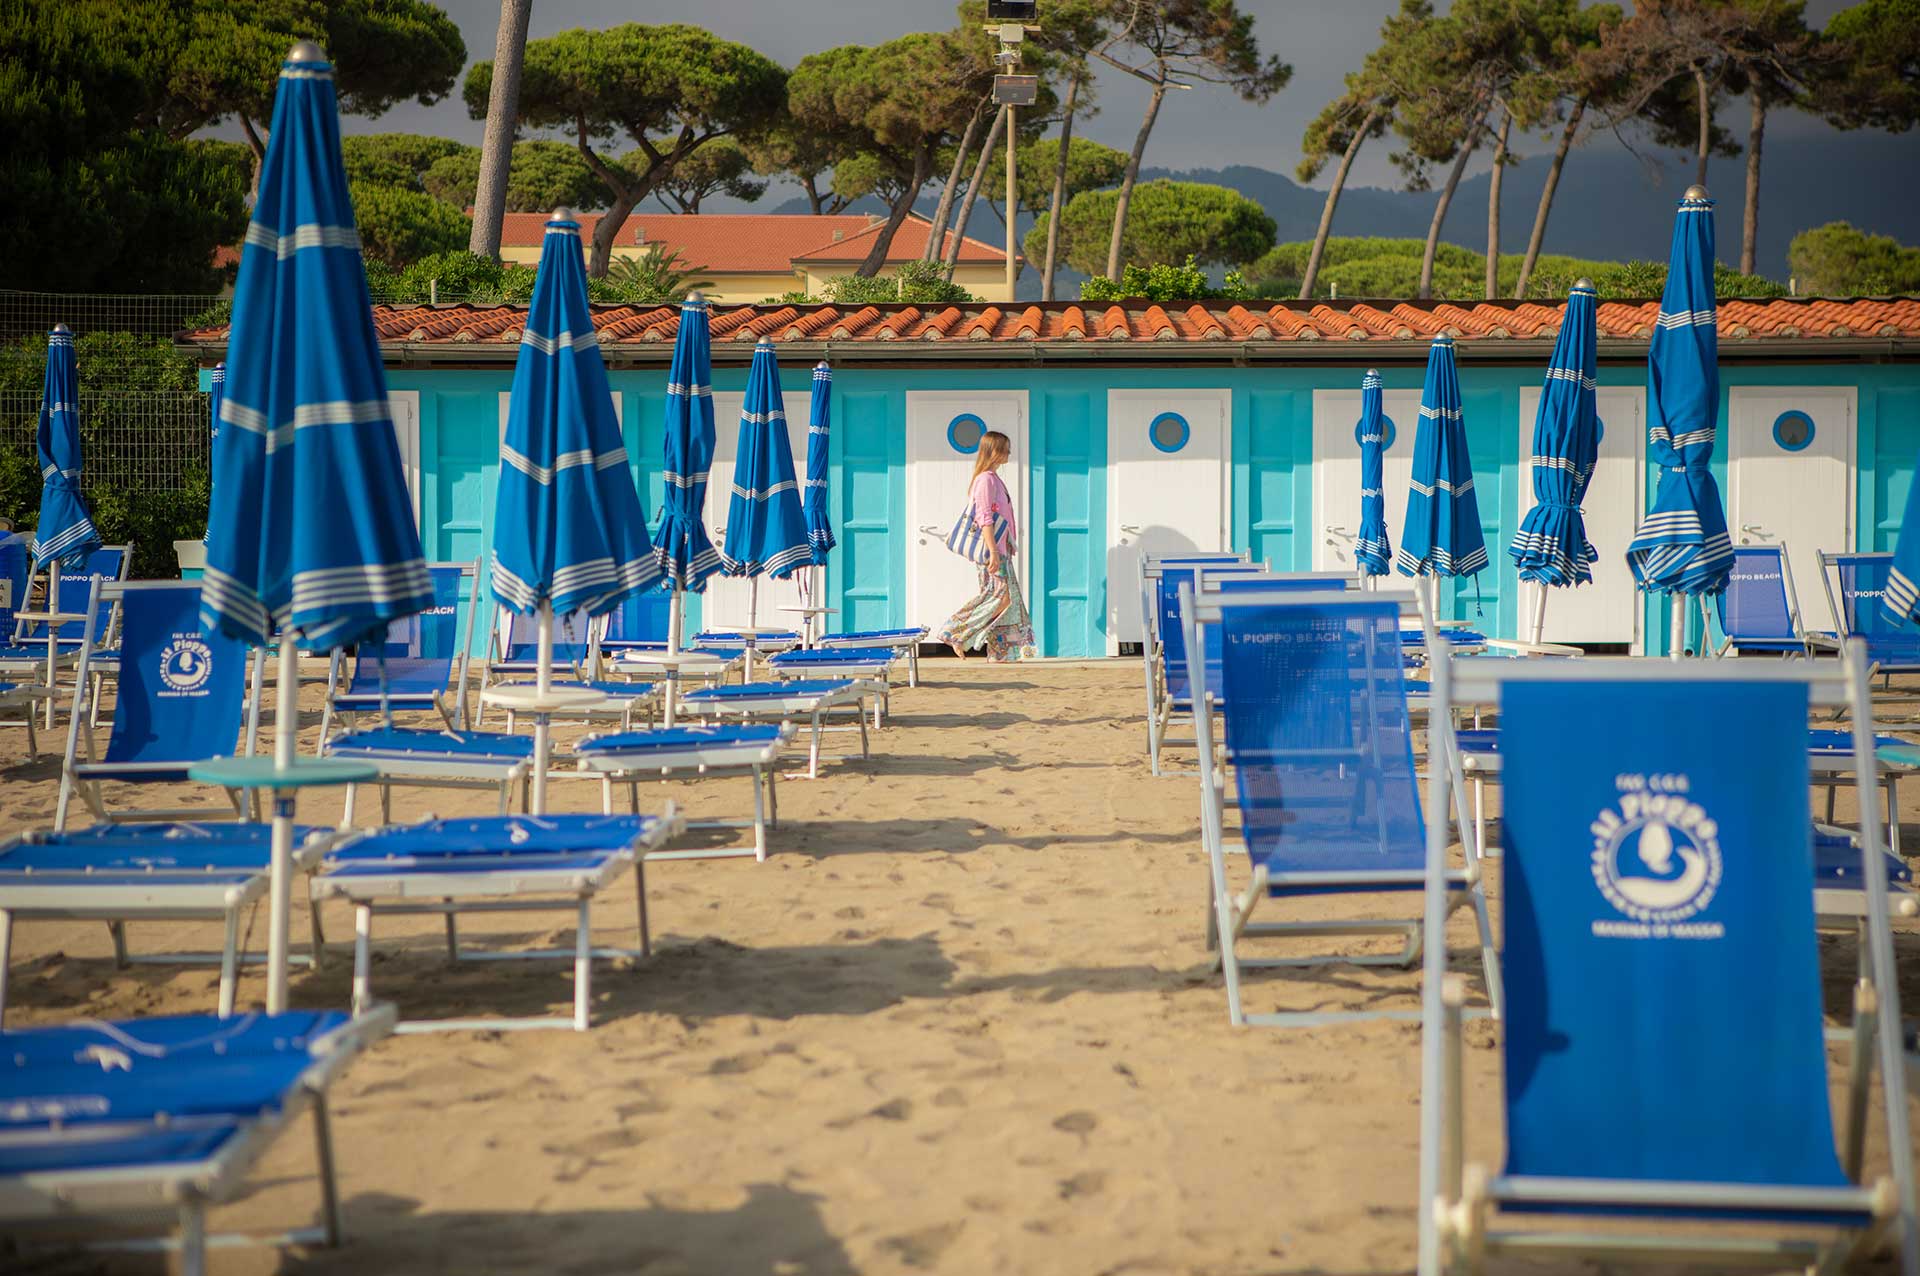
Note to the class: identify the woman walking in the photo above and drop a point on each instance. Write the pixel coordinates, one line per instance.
(996, 617)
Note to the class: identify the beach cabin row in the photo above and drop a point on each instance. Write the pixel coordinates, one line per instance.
(1149, 429)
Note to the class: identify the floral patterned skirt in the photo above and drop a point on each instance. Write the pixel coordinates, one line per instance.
(995, 618)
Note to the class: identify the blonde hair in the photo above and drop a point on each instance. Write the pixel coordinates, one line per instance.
(994, 449)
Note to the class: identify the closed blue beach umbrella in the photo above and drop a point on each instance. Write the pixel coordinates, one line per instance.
(1551, 548)
(815, 505)
(766, 529)
(216, 395)
(1442, 535)
(65, 530)
(569, 534)
(1682, 547)
(1372, 548)
(311, 528)
(681, 546)
(1902, 598)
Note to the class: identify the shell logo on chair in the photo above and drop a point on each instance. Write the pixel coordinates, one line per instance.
(1656, 859)
(185, 665)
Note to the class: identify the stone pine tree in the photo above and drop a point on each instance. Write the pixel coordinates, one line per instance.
(667, 90)
(1164, 43)
(503, 113)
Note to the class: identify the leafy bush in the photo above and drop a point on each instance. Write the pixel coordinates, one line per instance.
(398, 226)
(923, 283)
(1167, 222)
(1185, 282)
(654, 277)
(1836, 260)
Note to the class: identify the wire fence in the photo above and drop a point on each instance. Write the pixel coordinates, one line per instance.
(149, 314)
(145, 441)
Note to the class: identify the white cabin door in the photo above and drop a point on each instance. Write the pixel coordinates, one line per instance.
(1790, 474)
(1608, 610)
(1336, 471)
(1166, 488)
(943, 436)
(729, 599)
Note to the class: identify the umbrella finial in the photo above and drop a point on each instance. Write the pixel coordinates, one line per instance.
(1696, 193)
(1583, 285)
(561, 214)
(61, 327)
(696, 298)
(1373, 372)
(306, 51)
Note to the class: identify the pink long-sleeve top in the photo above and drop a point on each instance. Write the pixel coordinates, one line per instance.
(990, 497)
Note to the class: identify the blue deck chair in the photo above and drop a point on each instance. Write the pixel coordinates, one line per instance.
(120, 874)
(505, 864)
(687, 753)
(1663, 1055)
(578, 644)
(1760, 610)
(28, 656)
(142, 1120)
(1163, 652)
(809, 700)
(869, 664)
(1320, 740)
(904, 641)
(421, 666)
(1855, 584)
(181, 699)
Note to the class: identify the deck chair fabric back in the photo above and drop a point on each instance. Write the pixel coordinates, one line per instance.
(1320, 736)
(74, 585)
(16, 574)
(1662, 978)
(182, 687)
(1755, 607)
(1170, 624)
(1861, 581)
(572, 635)
(419, 651)
(1242, 584)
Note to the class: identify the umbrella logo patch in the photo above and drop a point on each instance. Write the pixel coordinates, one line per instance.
(185, 666)
(1656, 860)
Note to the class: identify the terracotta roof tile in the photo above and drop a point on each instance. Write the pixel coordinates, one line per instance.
(1405, 325)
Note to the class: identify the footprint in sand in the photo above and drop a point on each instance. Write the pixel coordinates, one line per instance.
(733, 1065)
(924, 1247)
(1085, 1183)
(1080, 1123)
(891, 1110)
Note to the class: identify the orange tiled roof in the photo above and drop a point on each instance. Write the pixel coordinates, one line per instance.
(1207, 329)
(752, 243)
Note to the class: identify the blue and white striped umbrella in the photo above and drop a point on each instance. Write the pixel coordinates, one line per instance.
(681, 547)
(1372, 548)
(568, 528)
(819, 433)
(216, 394)
(312, 528)
(1442, 535)
(65, 530)
(766, 530)
(1682, 546)
(1902, 598)
(1551, 546)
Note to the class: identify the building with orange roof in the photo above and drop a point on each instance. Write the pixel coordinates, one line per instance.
(745, 258)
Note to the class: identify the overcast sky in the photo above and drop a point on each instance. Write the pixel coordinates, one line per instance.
(1206, 128)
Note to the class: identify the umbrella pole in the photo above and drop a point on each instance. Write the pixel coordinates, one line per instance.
(542, 722)
(753, 621)
(1677, 628)
(675, 606)
(1539, 612)
(286, 729)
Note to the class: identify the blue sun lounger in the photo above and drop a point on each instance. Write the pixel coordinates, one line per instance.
(688, 753)
(1664, 1059)
(504, 864)
(905, 641)
(421, 757)
(156, 1120)
(579, 665)
(808, 700)
(119, 874)
(1760, 609)
(1319, 737)
(413, 669)
(181, 699)
(869, 664)
(1855, 585)
(36, 650)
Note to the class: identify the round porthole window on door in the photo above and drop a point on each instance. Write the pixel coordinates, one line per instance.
(964, 431)
(1387, 433)
(1793, 431)
(1169, 432)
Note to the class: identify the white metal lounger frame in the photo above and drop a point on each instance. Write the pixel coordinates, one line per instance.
(814, 711)
(696, 762)
(89, 789)
(500, 891)
(1229, 917)
(181, 1192)
(880, 675)
(1452, 1210)
(455, 718)
(157, 895)
(906, 645)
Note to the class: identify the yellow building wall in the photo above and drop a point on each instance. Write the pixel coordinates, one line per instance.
(988, 283)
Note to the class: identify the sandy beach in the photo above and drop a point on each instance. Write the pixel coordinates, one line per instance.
(961, 1021)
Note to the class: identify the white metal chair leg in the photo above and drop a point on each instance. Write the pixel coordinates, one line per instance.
(582, 967)
(229, 961)
(6, 959)
(331, 1230)
(193, 1237)
(362, 959)
(759, 817)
